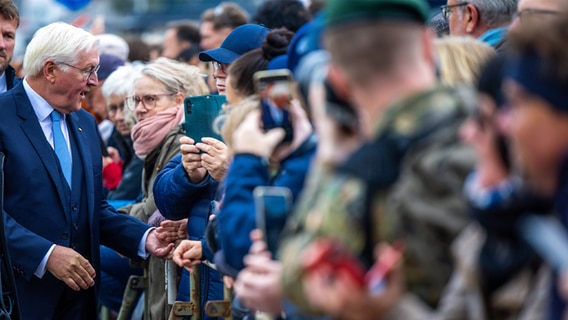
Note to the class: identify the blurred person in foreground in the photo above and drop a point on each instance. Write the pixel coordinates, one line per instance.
(54, 234)
(492, 261)
(536, 76)
(9, 22)
(486, 20)
(531, 12)
(258, 285)
(409, 125)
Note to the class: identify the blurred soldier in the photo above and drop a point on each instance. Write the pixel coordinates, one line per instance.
(390, 80)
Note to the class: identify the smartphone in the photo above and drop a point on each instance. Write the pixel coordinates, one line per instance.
(274, 88)
(200, 114)
(272, 205)
(389, 259)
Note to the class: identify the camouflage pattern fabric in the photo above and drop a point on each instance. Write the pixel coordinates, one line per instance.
(404, 185)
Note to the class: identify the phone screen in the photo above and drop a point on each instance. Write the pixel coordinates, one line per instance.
(272, 207)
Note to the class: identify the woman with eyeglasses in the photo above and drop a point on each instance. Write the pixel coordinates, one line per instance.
(158, 106)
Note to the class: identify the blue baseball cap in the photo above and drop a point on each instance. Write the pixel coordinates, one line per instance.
(108, 63)
(241, 40)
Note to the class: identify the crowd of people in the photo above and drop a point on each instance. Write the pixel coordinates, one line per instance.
(403, 162)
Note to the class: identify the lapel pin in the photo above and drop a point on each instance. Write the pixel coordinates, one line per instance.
(80, 129)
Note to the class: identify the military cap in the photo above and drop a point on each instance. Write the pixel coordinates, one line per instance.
(340, 12)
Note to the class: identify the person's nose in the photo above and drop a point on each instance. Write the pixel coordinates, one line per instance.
(119, 115)
(219, 73)
(505, 121)
(93, 80)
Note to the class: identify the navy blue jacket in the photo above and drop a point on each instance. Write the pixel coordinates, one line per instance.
(237, 216)
(11, 80)
(557, 303)
(178, 198)
(39, 213)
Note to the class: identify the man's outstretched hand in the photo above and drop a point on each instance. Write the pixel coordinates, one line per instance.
(158, 246)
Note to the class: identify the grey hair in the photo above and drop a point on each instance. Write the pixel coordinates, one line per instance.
(121, 81)
(59, 42)
(495, 12)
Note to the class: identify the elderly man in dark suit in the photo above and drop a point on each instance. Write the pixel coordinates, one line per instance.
(55, 216)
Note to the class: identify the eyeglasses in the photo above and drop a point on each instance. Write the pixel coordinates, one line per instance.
(87, 71)
(447, 9)
(218, 65)
(149, 101)
(528, 13)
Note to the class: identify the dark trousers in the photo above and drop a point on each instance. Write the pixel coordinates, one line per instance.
(80, 304)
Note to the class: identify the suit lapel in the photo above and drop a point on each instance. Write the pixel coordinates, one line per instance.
(32, 129)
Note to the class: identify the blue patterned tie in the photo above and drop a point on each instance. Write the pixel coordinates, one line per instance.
(60, 146)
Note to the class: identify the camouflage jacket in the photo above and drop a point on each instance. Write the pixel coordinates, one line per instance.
(405, 184)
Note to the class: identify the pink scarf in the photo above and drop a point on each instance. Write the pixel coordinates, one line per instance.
(150, 132)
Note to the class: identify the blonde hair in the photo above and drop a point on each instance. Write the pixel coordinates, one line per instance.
(234, 116)
(461, 58)
(176, 77)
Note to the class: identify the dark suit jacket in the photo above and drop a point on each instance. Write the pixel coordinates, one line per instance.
(11, 80)
(35, 211)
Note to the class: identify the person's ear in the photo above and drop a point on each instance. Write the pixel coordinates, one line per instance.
(471, 18)
(429, 50)
(339, 82)
(49, 71)
(179, 98)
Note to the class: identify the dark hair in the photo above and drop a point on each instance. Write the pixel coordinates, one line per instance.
(187, 54)
(225, 15)
(139, 49)
(289, 14)
(186, 31)
(243, 69)
(316, 6)
(9, 11)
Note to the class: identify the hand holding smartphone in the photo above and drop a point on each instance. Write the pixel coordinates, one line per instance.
(272, 205)
(274, 88)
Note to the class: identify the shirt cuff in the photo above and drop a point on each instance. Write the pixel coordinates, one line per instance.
(142, 245)
(40, 270)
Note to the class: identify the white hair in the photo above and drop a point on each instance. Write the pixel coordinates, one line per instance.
(59, 42)
(495, 12)
(121, 81)
(113, 45)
